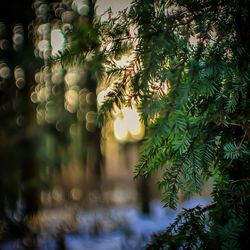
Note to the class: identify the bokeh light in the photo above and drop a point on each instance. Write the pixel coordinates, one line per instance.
(81, 7)
(43, 45)
(58, 41)
(127, 125)
(5, 71)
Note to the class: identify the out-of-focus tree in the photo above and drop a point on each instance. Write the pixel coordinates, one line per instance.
(19, 195)
(65, 94)
(188, 72)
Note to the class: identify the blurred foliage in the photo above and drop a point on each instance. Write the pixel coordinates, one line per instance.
(189, 76)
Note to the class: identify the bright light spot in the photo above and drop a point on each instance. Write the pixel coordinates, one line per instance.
(43, 45)
(127, 125)
(120, 129)
(125, 61)
(101, 96)
(58, 41)
(43, 29)
(131, 117)
(81, 7)
(5, 72)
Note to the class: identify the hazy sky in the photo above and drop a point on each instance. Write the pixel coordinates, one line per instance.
(116, 5)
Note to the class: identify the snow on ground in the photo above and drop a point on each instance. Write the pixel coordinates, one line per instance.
(132, 231)
(123, 228)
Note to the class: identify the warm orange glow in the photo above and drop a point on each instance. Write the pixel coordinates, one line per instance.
(127, 125)
(120, 129)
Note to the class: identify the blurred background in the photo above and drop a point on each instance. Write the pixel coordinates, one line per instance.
(65, 182)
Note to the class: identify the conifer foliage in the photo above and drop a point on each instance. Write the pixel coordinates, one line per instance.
(189, 75)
